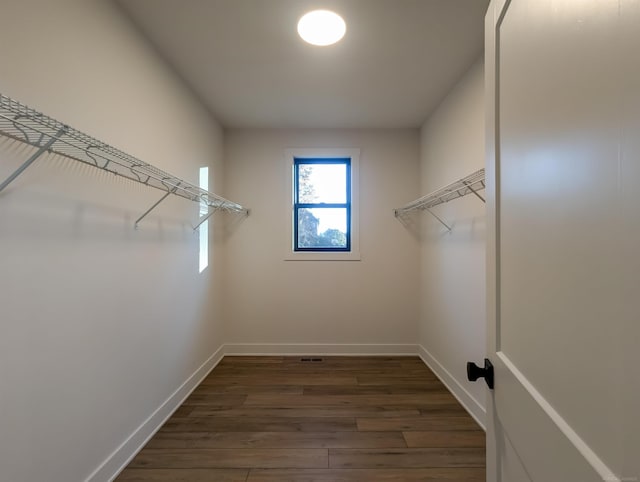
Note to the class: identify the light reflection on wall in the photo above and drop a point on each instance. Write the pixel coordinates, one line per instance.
(203, 230)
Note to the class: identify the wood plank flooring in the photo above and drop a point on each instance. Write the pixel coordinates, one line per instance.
(344, 419)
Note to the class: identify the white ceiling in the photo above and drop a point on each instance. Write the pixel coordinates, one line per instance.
(245, 61)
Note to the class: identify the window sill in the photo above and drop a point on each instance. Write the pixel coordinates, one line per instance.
(326, 256)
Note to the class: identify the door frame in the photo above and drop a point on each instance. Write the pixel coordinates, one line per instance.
(496, 9)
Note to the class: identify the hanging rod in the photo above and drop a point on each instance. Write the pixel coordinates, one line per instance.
(19, 122)
(470, 184)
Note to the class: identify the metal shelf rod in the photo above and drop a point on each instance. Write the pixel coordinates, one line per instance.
(27, 125)
(29, 161)
(203, 219)
(470, 184)
(438, 218)
(476, 192)
(135, 225)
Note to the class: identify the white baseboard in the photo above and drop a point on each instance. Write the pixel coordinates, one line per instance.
(118, 460)
(475, 409)
(258, 349)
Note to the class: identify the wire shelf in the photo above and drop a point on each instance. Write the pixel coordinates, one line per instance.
(470, 184)
(27, 125)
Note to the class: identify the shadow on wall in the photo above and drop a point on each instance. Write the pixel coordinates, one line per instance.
(412, 222)
(223, 231)
(424, 228)
(90, 221)
(60, 198)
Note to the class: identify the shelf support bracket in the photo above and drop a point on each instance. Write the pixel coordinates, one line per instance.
(475, 192)
(33, 157)
(436, 216)
(135, 225)
(202, 220)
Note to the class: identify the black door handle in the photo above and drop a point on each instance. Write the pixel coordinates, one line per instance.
(474, 372)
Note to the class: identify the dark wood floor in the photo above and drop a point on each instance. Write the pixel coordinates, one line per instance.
(279, 419)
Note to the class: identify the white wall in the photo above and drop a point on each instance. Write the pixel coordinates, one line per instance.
(371, 302)
(452, 308)
(100, 324)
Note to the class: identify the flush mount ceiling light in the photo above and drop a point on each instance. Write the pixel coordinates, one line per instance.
(321, 27)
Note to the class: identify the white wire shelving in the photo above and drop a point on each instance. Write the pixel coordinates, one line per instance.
(27, 125)
(470, 184)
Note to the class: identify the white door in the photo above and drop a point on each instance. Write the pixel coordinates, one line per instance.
(563, 174)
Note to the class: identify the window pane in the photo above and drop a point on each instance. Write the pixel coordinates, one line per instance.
(322, 228)
(322, 183)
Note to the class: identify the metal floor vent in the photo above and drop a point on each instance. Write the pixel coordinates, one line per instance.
(312, 360)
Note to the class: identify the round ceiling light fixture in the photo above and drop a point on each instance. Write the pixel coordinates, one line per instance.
(321, 27)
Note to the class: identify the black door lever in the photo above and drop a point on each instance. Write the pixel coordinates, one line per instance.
(474, 372)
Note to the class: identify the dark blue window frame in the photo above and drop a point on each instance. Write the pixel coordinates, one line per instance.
(297, 205)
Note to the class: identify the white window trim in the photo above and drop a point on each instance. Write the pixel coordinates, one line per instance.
(354, 155)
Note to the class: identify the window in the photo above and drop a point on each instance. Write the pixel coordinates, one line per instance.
(322, 204)
(323, 187)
